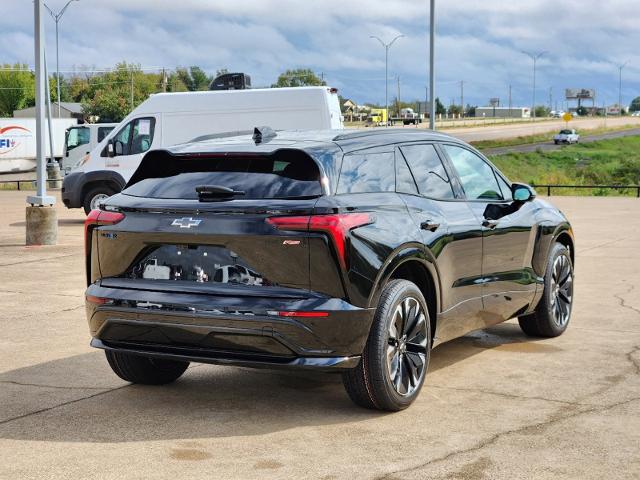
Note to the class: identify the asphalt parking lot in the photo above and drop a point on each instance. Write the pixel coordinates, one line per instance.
(496, 404)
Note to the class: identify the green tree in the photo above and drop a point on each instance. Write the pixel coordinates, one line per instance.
(194, 78)
(440, 109)
(300, 77)
(542, 111)
(112, 95)
(221, 71)
(635, 105)
(17, 88)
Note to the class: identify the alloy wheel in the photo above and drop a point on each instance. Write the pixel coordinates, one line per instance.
(561, 290)
(407, 346)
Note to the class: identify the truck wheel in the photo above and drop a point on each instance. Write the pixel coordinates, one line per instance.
(396, 356)
(144, 370)
(95, 196)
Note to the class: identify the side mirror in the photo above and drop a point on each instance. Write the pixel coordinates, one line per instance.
(110, 150)
(522, 192)
(118, 148)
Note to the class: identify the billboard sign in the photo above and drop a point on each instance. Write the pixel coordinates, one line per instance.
(580, 93)
(494, 102)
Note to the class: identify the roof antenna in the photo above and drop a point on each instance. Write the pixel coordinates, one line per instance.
(263, 134)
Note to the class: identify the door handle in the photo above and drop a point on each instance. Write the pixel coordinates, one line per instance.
(429, 225)
(490, 224)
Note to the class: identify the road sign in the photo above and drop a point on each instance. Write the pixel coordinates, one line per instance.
(567, 117)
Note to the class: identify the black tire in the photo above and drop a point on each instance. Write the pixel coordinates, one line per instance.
(145, 370)
(370, 384)
(95, 192)
(551, 318)
(555, 141)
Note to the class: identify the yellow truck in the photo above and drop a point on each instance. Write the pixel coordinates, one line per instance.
(378, 116)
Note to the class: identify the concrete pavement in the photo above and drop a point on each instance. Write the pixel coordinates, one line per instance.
(496, 404)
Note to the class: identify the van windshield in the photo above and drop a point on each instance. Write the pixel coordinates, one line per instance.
(284, 174)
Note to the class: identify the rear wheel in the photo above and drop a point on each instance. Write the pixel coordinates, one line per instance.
(551, 316)
(144, 370)
(95, 196)
(395, 359)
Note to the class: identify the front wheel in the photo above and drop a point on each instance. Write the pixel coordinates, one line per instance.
(396, 356)
(95, 197)
(551, 316)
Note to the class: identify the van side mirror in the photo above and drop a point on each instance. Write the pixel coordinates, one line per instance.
(118, 148)
(522, 192)
(110, 150)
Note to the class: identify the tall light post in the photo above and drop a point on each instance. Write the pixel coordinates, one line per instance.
(57, 17)
(432, 71)
(386, 46)
(534, 57)
(620, 67)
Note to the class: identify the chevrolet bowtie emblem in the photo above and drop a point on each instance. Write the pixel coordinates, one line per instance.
(186, 222)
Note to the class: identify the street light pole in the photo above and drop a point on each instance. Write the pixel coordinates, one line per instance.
(432, 71)
(534, 57)
(620, 67)
(386, 46)
(57, 17)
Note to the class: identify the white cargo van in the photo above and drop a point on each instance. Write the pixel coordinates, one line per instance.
(166, 119)
(79, 140)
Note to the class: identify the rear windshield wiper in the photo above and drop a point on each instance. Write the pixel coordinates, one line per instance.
(211, 193)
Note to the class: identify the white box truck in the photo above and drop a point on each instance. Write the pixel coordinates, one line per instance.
(18, 142)
(166, 119)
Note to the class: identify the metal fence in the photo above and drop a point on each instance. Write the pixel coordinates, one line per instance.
(632, 188)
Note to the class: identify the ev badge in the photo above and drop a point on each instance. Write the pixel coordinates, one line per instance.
(186, 222)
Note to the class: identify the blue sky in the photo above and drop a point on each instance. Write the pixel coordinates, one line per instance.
(479, 42)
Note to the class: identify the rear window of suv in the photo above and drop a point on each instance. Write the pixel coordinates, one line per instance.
(283, 174)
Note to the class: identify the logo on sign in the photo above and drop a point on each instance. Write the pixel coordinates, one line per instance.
(9, 137)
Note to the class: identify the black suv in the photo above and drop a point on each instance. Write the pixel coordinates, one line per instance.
(354, 252)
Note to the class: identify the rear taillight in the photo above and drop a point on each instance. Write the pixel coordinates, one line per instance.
(337, 226)
(97, 218)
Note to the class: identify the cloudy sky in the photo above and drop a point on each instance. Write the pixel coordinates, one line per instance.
(479, 42)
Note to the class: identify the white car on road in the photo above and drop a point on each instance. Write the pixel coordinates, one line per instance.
(566, 136)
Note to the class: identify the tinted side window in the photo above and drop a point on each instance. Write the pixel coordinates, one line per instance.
(102, 132)
(404, 180)
(430, 175)
(477, 177)
(142, 135)
(121, 140)
(367, 173)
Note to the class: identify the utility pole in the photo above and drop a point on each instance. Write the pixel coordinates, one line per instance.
(462, 96)
(57, 17)
(164, 80)
(398, 102)
(534, 57)
(620, 67)
(432, 72)
(386, 46)
(131, 74)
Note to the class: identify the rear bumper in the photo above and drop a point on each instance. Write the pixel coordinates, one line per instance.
(227, 330)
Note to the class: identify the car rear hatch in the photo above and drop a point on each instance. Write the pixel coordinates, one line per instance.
(202, 225)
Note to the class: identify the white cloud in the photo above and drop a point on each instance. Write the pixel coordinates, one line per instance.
(479, 42)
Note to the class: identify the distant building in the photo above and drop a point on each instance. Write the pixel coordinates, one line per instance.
(67, 110)
(503, 112)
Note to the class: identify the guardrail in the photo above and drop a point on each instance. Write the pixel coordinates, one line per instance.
(611, 187)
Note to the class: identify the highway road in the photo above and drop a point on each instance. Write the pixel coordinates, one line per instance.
(548, 146)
